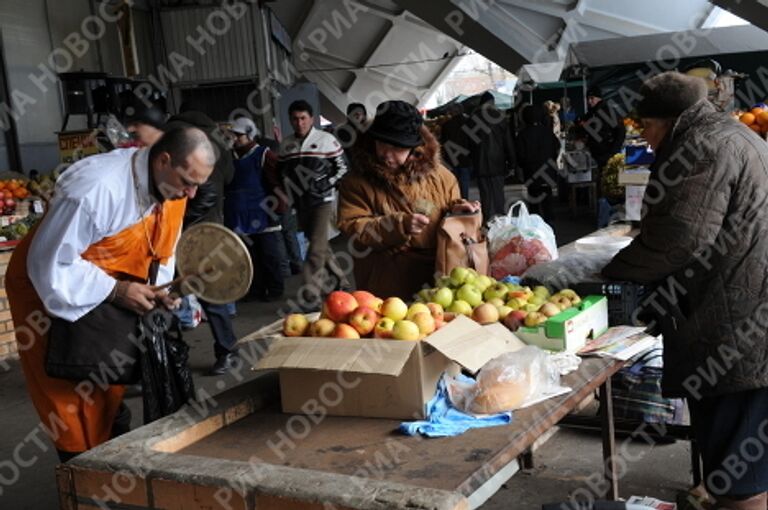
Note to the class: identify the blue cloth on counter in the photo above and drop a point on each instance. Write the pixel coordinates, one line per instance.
(445, 420)
(512, 279)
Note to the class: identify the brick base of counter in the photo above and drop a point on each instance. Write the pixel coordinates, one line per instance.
(8, 347)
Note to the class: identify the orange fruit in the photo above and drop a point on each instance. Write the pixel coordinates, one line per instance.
(756, 111)
(756, 128)
(762, 118)
(747, 118)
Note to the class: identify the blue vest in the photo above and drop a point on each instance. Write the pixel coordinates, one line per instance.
(244, 209)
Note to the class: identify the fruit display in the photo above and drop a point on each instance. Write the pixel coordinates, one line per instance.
(610, 176)
(360, 314)
(486, 300)
(756, 119)
(19, 227)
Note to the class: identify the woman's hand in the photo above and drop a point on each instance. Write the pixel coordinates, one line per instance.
(416, 223)
(465, 206)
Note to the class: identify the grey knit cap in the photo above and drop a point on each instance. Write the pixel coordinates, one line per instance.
(669, 94)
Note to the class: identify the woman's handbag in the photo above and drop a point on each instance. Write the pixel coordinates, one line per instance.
(461, 243)
(103, 346)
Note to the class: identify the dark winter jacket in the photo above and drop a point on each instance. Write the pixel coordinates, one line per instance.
(704, 243)
(208, 203)
(604, 131)
(455, 143)
(311, 168)
(537, 148)
(493, 153)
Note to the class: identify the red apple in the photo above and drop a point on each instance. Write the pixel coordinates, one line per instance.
(363, 319)
(345, 331)
(437, 312)
(365, 298)
(448, 317)
(339, 304)
(295, 324)
(383, 328)
(322, 328)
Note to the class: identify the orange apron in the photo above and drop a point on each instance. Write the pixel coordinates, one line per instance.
(79, 421)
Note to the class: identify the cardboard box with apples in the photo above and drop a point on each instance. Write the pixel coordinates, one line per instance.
(371, 377)
(569, 329)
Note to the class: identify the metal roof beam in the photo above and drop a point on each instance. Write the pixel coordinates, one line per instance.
(754, 11)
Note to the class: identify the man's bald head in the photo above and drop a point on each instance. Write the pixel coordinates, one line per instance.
(181, 160)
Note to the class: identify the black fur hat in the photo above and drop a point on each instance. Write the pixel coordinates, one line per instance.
(669, 94)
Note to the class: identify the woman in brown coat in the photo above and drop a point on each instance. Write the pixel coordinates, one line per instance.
(392, 200)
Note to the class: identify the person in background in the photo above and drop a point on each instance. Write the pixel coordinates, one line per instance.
(144, 123)
(208, 206)
(493, 154)
(456, 148)
(92, 247)
(349, 132)
(703, 245)
(603, 129)
(553, 111)
(537, 152)
(251, 209)
(392, 201)
(313, 162)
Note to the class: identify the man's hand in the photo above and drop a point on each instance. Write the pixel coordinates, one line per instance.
(465, 206)
(170, 301)
(134, 296)
(416, 223)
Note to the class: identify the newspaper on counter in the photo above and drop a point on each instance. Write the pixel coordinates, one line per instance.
(648, 502)
(619, 342)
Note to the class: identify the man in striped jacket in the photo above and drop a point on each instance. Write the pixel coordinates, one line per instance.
(311, 163)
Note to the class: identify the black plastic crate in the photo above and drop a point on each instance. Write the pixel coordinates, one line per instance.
(624, 298)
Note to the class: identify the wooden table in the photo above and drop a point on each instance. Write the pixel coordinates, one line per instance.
(183, 460)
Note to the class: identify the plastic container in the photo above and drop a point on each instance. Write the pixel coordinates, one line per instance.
(624, 298)
(605, 244)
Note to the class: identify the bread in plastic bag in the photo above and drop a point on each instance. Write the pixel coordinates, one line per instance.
(516, 243)
(508, 381)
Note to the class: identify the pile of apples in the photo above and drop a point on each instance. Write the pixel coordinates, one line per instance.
(486, 300)
(360, 314)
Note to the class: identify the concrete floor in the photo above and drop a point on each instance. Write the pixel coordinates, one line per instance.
(563, 465)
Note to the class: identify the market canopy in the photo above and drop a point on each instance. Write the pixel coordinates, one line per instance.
(667, 46)
(501, 100)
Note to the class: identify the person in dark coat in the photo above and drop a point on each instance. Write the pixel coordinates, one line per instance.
(208, 206)
(703, 244)
(493, 154)
(537, 149)
(603, 128)
(456, 147)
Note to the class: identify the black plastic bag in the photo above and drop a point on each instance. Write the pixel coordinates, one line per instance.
(165, 375)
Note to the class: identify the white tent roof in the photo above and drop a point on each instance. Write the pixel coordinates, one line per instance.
(540, 73)
(668, 46)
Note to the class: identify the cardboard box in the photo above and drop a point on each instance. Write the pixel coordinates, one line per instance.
(570, 329)
(379, 378)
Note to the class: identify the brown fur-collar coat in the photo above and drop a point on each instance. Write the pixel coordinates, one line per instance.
(375, 208)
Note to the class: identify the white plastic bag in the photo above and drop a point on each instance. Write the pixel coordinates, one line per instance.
(190, 312)
(508, 382)
(516, 243)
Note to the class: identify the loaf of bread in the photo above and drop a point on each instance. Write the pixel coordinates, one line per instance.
(504, 384)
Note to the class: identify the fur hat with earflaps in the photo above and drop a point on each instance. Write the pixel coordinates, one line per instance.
(667, 95)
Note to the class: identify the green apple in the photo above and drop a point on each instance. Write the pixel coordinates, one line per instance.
(470, 294)
(497, 302)
(497, 290)
(541, 290)
(504, 310)
(517, 303)
(424, 295)
(533, 319)
(443, 297)
(443, 281)
(459, 276)
(513, 286)
(530, 307)
(482, 282)
(537, 300)
(460, 307)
